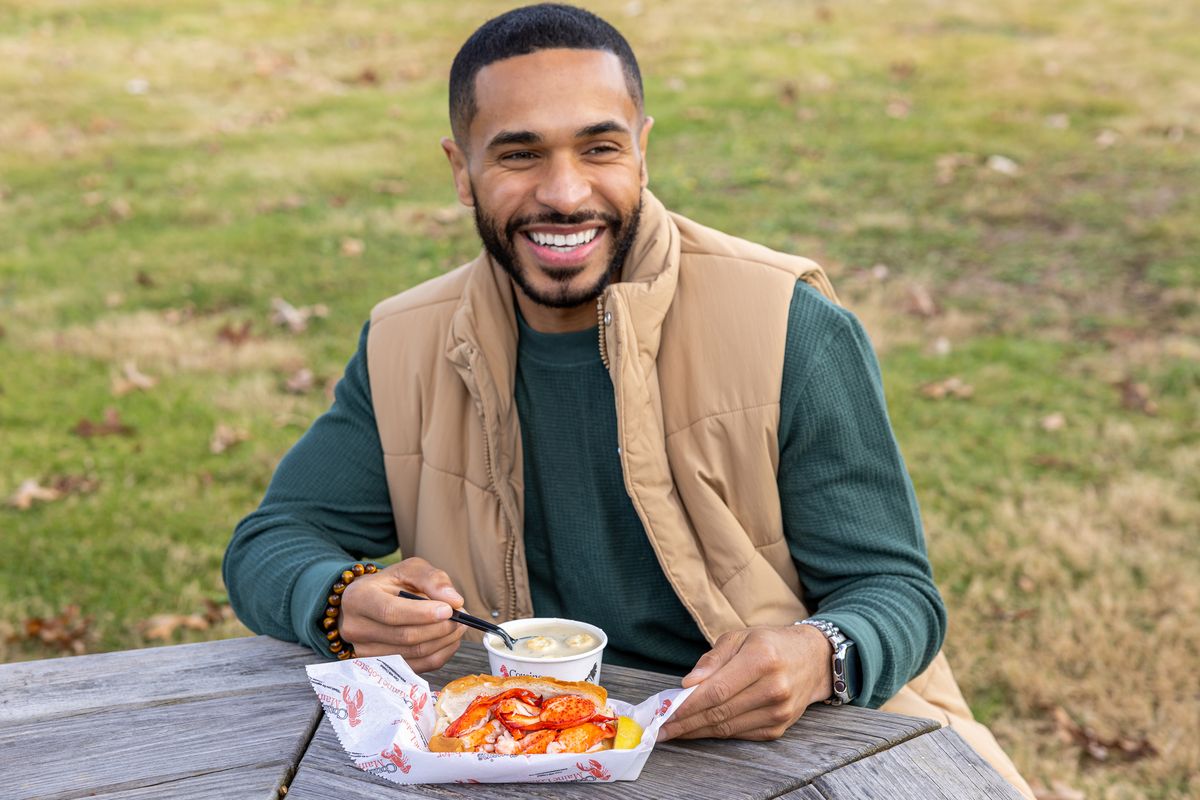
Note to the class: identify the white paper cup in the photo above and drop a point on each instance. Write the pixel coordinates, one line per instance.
(583, 666)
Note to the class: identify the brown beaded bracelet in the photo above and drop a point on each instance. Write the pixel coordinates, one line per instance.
(342, 650)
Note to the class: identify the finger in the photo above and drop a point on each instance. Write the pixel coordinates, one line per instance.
(381, 605)
(434, 661)
(421, 576)
(411, 652)
(725, 648)
(761, 694)
(760, 725)
(724, 677)
(363, 630)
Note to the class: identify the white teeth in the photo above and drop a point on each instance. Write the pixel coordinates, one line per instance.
(570, 240)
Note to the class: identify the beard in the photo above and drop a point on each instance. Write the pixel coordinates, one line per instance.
(501, 245)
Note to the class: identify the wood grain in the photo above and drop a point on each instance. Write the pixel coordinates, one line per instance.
(213, 720)
(937, 765)
(55, 686)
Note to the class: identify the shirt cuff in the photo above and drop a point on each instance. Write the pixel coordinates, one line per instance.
(309, 597)
(867, 648)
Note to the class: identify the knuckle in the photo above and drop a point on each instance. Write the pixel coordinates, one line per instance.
(722, 729)
(778, 693)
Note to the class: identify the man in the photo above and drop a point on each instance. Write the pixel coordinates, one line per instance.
(614, 415)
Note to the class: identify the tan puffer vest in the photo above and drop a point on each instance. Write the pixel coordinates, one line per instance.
(697, 417)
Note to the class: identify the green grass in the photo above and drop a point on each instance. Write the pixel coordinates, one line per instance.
(133, 226)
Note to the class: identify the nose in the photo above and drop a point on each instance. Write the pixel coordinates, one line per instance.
(563, 187)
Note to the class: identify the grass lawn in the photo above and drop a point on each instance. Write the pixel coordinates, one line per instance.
(1005, 192)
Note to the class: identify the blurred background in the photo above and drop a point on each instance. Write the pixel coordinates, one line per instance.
(201, 201)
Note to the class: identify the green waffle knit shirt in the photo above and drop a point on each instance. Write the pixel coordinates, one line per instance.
(850, 515)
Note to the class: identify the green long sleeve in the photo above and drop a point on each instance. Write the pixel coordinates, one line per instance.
(327, 506)
(849, 510)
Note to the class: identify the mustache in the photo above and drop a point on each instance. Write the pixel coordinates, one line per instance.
(554, 218)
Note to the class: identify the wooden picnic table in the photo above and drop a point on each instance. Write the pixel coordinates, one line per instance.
(237, 719)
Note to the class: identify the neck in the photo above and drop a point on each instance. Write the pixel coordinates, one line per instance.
(545, 319)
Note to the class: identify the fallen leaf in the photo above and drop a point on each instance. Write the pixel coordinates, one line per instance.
(132, 379)
(1053, 422)
(1107, 138)
(234, 334)
(163, 626)
(225, 437)
(951, 387)
(1026, 584)
(293, 318)
(788, 93)
(143, 279)
(352, 248)
(29, 492)
(67, 631)
(1098, 747)
(919, 302)
(301, 381)
(1004, 165)
(902, 70)
(111, 426)
(1051, 462)
(1136, 397)
(113, 299)
(367, 77)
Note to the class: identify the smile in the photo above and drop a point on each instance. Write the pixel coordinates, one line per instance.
(563, 243)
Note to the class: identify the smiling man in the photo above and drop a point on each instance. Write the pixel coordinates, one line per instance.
(616, 415)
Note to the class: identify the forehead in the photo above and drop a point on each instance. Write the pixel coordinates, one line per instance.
(550, 89)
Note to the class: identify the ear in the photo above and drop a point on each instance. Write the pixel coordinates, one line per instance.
(458, 166)
(643, 144)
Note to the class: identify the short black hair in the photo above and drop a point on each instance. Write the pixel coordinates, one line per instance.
(526, 30)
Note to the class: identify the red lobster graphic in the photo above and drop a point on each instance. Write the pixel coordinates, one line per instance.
(353, 706)
(666, 704)
(595, 769)
(503, 671)
(418, 697)
(394, 755)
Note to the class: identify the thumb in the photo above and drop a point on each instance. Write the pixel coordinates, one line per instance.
(724, 649)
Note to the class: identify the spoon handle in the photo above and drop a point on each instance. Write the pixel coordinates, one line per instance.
(470, 621)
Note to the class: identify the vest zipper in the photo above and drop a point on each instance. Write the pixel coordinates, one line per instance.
(600, 327)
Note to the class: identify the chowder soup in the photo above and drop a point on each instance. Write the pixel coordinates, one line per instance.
(551, 641)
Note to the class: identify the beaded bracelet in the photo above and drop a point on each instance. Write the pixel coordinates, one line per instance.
(342, 650)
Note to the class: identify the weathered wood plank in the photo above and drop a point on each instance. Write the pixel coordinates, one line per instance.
(57, 686)
(809, 792)
(937, 765)
(215, 719)
(113, 753)
(326, 772)
(823, 740)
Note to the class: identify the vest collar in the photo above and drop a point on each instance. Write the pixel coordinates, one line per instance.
(485, 321)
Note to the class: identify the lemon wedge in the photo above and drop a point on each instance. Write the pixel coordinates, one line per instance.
(629, 734)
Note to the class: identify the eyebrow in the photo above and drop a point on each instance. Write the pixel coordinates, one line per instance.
(505, 138)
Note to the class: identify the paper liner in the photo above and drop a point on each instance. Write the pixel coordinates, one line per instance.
(383, 714)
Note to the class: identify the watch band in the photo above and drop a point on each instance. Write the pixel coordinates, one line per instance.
(842, 646)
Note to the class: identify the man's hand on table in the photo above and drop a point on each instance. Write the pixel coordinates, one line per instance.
(754, 684)
(380, 623)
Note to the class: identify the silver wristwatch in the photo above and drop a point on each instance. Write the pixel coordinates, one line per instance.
(844, 663)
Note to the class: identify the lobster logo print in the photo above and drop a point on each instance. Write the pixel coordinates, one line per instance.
(596, 770)
(353, 705)
(417, 695)
(397, 758)
(666, 704)
(503, 671)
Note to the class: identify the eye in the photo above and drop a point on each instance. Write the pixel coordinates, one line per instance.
(518, 156)
(603, 149)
